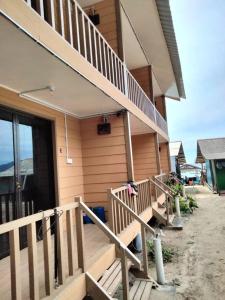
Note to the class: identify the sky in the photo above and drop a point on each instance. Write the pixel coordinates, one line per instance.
(200, 32)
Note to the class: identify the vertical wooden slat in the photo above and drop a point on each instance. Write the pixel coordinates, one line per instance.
(52, 11)
(112, 60)
(47, 256)
(109, 66)
(61, 14)
(70, 21)
(95, 48)
(100, 52)
(111, 210)
(77, 27)
(70, 242)
(84, 36)
(125, 279)
(32, 258)
(41, 7)
(60, 248)
(80, 236)
(15, 264)
(145, 252)
(90, 42)
(150, 192)
(104, 58)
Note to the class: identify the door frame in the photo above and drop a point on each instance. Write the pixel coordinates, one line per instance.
(29, 114)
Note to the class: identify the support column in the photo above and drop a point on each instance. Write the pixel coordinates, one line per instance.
(157, 152)
(129, 153)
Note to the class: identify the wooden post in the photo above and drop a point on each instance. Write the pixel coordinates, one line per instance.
(111, 210)
(156, 141)
(60, 247)
(80, 236)
(167, 210)
(128, 143)
(70, 241)
(47, 256)
(32, 258)
(145, 252)
(125, 279)
(15, 264)
(150, 191)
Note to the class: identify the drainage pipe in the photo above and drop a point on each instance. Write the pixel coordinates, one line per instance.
(159, 260)
(177, 205)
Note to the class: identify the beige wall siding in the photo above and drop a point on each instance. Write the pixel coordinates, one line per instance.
(108, 22)
(143, 77)
(164, 158)
(104, 159)
(69, 177)
(144, 156)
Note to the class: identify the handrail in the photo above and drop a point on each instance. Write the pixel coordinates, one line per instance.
(166, 186)
(85, 38)
(136, 217)
(160, 188)
(110, 234)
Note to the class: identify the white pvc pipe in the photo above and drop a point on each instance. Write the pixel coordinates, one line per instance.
(159, 261)
(177, 205)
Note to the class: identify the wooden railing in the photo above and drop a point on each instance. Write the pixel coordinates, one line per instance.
(66, 219)
(121, 219)
(69, 19)
(168, 197)
(124, 252)
(31, 223)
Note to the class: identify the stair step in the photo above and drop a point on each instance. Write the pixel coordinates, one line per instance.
(112, 277)
(141, 289)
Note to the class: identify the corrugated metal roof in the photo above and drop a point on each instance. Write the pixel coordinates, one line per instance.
(164, 11)
(176, 149)
(210, 149)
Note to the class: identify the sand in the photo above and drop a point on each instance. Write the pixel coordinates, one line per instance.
(198, 266)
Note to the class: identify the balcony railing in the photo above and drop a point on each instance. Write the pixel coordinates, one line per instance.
(73, 24)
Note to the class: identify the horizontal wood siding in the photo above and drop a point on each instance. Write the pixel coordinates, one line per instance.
(104, 159)
(142, 75)
(144, 156)
(69, 177)
(164, 158)
(108, 21)
(161, 105)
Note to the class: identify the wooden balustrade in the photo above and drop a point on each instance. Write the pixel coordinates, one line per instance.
(69, 19)
(120, 218)
(32, 225)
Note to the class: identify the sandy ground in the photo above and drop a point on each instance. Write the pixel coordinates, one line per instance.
(198, 266)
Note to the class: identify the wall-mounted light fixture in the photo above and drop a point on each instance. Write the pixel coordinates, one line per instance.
(104, 127)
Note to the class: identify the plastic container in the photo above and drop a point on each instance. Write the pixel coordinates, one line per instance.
(100, 213)
(86, 219)
(138, 243)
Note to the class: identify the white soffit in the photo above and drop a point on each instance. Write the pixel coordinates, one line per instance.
(84, 3)
(26, 65)
(144, 17)
(134, 56)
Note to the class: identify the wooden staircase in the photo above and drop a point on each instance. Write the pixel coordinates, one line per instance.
(108, 284)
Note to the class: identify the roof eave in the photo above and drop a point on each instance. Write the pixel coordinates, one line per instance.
(165, 16)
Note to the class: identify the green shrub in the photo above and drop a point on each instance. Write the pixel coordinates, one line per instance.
(192, 202)
(167, 251)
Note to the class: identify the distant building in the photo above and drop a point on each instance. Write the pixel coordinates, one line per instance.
(212, 153)
(177, 156)
(190, 172)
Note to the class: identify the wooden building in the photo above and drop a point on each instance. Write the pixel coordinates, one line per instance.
(82, 113)
(211, 152)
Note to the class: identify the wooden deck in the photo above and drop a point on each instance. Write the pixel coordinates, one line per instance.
(95, 242)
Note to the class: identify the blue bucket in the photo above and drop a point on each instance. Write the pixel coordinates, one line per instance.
(86, 219)
(100, 213)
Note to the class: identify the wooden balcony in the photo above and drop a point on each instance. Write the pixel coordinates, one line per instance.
(68, 19)
(83, 252)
